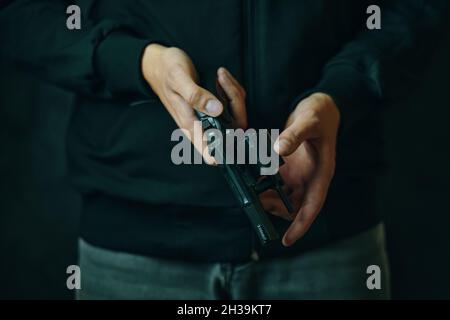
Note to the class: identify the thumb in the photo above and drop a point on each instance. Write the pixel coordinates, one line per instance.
(294, 135)
(203, 101)
(197, 97)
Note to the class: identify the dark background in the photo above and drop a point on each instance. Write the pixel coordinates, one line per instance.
(39, 212)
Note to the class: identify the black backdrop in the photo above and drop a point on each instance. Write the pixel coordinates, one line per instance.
(39, 212)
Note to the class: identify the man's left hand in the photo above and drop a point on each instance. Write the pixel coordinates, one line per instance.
(308, 145)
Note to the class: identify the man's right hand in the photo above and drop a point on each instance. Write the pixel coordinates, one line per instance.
(172, 76)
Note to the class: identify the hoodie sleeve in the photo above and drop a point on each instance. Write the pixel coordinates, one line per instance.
(379, 66)
(100, 60)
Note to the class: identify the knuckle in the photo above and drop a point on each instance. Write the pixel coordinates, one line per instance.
(320, 98)
(311, 115)
(292, 137)
(314, 122)
(174, 51)
(296, 134)
(194, 96)
(310, 118)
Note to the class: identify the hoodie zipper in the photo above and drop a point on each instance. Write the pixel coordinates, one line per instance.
(249, 11)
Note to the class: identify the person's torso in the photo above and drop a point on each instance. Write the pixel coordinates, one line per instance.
(120, 151)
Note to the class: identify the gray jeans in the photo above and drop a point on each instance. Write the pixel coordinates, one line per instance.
(335, 271)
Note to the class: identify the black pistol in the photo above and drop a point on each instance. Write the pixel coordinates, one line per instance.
(245, 180)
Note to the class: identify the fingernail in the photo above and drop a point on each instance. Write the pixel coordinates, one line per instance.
(213, 107)
(222, 71)
(287, 242)
(210, 161)
(280, 146)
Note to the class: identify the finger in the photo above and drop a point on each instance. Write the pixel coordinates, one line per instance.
(236, 94)
(231, 77)
(187, 120)
(295, 134)
(313, 201)
(197, 97)
(272, 203)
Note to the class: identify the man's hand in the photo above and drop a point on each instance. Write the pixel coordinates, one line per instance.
(308, 144)
(172, 76)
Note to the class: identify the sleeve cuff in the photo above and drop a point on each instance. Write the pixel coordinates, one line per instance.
(353, 93)
(118, 61)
